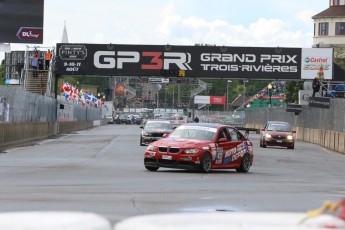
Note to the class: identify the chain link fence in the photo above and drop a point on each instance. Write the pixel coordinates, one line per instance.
(18, 105)
(310, 117)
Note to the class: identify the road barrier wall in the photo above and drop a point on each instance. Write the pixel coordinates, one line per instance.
(16, 134)
(321, 126)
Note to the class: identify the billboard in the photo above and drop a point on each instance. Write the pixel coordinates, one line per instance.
(317, 63)
(191, 61)
(21, 21)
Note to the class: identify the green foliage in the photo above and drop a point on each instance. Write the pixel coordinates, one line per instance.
(339, 57)
(292, 88)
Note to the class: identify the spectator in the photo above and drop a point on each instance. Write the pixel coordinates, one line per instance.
(316, 86)
(196, 120)
(34, 64)
(40, 63)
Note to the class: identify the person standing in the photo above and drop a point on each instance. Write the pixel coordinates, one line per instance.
(40, 63)
(316, 86)
(34, 64)
(48, 58)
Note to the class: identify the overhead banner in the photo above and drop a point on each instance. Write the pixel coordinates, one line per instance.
(189, 61)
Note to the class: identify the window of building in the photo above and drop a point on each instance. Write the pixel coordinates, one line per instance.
(336, 2)
(340, 28)
(323, 28)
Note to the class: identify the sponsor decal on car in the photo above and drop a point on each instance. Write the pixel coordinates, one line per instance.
(228, 155)
(186, 158)
(219, 156)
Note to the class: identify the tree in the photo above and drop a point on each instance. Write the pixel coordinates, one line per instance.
(292, 88)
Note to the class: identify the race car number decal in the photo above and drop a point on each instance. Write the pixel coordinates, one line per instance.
(219, 156)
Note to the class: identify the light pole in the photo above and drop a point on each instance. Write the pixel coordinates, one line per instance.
(270, 93)
(244, 91)
(227, 95)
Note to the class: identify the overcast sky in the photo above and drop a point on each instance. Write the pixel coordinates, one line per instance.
(265, 23)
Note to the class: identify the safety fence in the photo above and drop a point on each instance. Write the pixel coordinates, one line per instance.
(310, 117)
(18, 105)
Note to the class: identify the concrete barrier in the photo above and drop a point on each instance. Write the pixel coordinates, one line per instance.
(14, 134)
(325, 138)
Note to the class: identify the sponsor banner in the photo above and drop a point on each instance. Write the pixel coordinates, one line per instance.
(12, 82)
(217, 100)
(169, 61)
(213, 100)
(303, 96)
(159, 80)
(202, 100)
(320, 102)
(317, 63)
(295, 108)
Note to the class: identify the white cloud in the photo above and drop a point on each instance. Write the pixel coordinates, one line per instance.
(305, 16)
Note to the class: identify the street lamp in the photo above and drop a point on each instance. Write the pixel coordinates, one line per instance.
(227, 95)
(270, 93)
(244, 91)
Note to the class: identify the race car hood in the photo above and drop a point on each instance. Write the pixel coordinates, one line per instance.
(182, 142)
(157, 130)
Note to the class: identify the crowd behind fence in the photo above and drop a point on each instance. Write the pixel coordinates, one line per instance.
(18, 105)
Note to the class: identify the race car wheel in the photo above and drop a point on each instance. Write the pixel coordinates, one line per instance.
(245, 165)
(141, 141)
(206, 163)
(153, 169)
(264, 144)
(292, 146)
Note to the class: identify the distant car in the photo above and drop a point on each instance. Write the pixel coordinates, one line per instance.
(153, 130)
(137, 119)
(201, 146)
(125, 119)
(277, 133)
(109, 119)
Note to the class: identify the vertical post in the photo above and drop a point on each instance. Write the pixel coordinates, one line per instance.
(227, 94)
(270, 93)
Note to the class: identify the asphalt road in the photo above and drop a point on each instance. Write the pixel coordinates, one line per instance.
(101, 170)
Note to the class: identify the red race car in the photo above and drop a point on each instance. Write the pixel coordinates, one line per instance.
(277, 133)
(201, 146)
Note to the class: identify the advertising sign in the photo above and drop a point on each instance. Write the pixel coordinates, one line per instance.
(192, 61)
(21, 21)
(213, 100)
(295, 108)
(317, 63)
(320, 102)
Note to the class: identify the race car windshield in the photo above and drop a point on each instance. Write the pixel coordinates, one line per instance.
(193, 134)
(158, 125)
(279, 128)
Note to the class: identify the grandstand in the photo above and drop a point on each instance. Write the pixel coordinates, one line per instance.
(263, 99)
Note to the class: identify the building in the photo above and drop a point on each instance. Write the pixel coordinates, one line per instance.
(329, 26)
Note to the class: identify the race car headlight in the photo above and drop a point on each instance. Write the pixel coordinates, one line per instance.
(145, 133)
(150, 148)
(191, 151)
(290, 137)
(268, 135)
